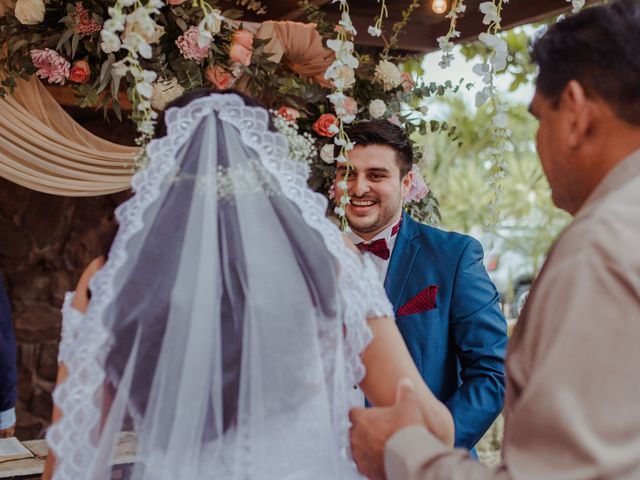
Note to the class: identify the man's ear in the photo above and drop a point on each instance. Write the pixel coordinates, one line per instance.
(407, 180)
(578, 109)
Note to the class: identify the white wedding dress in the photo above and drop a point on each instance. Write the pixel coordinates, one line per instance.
(248, 369)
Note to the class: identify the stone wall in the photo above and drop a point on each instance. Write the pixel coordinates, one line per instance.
(45, 243)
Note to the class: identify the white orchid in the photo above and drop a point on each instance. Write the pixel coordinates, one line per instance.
(345, 22)
(490, 11)
(500, 50)
(374, 31)
(209, 26)
(137, 45)
(344, 51)
(576, 5)
(110, 41)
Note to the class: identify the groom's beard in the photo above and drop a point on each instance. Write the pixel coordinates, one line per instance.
(372, 219)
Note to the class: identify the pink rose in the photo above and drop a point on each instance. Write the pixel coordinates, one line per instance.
(419, 189)
(289, 113)
(218, 76)
(322, 126)
(175, 2)
(240, 54)
(407, 82)
(350, 106)
(244, 38)
(80, 72)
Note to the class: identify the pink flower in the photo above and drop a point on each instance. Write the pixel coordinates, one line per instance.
(188, 45)
(350, 106)
(50, 65)
(407, 82)
(288, 113)
(80, 72)
(175, 2)
(332, 191)
(419, 189)
(395, 120)
(322, 126)
(83, 24)
(240, 54)
(218, 76)
(244, 38)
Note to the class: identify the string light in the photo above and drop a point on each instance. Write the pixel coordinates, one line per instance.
(439, 6)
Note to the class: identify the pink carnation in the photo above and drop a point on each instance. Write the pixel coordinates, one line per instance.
(188, 45)
(50, 65)
(83, 24)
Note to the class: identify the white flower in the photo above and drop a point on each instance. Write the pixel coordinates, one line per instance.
(576, 5)
(374, 31)
(326, 153)
(137, 45)
(116, 20)
(388, 74)
(110, 41)
(29, 12)
(377, 108)
(500, 120)
(490, 11)
(141, 23)
(208, 27)
(484, 71)
(119, 69)
(500, 50)
(165, 92)
(483, 95)
(344, 51)
(345, 22)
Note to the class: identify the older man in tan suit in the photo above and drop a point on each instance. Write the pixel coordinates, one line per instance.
(573, 369)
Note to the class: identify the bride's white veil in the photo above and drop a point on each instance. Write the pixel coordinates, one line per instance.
(226, 326)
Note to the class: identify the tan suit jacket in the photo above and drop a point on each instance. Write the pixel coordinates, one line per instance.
(572, 407)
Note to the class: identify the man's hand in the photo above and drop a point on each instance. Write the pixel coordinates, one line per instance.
(8, 432)
(372, 427)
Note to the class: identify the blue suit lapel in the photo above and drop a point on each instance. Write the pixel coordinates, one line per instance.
(402, 259)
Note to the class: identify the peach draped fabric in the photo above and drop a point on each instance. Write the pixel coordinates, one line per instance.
(44, 149)
(298, 46)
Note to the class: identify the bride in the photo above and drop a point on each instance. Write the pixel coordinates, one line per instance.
(231, 321)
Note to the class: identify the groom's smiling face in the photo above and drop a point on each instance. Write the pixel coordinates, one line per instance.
(376, 189)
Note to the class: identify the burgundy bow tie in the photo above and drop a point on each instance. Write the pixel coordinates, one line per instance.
(379, 248)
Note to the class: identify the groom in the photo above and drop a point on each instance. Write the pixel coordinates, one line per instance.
(446, 306)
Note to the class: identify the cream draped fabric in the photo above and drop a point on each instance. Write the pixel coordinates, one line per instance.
(44, 149)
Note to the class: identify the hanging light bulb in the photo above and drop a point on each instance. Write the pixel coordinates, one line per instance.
(439, 6)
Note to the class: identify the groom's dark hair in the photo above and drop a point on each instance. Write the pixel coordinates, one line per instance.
(598, 47)
(383, 132)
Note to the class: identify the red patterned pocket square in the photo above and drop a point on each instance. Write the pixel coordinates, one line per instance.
(423, 301)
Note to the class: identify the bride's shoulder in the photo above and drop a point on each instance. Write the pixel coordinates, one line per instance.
(82, 295)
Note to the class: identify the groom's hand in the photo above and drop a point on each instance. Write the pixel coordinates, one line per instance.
(372, 427)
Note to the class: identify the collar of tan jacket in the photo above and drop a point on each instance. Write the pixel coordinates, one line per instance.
(625, 171)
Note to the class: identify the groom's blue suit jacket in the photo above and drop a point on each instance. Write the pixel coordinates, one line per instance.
(447, 312)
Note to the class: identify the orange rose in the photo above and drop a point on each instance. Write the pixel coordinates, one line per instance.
(218, 76)
(289, 113)
(323, 125)
(244, 38)
(80, 72)
(175, 2)
(240, 54)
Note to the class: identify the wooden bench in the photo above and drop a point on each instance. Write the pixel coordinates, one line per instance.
(33, 467)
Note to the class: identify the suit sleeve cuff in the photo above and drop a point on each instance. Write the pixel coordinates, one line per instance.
(409, 450)
(7, 418)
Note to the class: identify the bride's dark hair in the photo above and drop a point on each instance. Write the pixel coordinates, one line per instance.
(136, 321)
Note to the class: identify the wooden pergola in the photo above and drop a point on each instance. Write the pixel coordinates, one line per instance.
(425, 26)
